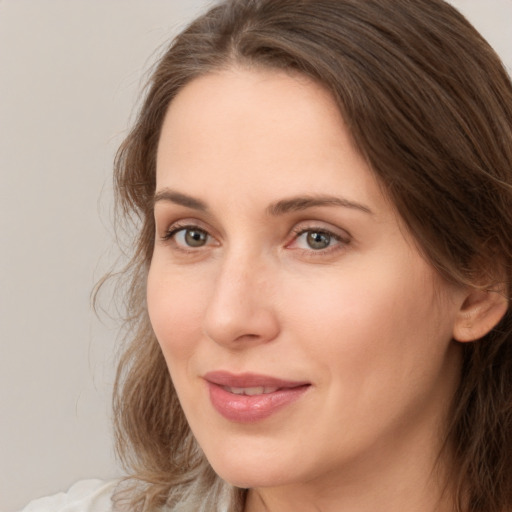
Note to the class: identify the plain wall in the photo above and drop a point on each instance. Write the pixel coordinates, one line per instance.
(70, 73)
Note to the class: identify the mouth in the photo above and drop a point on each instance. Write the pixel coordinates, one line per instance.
(248, 398)
(257, 390)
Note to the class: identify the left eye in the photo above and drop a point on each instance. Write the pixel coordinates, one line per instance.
(315, 239)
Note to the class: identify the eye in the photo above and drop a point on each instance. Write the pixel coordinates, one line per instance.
(188, 237)
(316, 239)
(192, 237)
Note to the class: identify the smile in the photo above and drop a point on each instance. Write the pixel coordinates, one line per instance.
(258, 390)
(248, 398)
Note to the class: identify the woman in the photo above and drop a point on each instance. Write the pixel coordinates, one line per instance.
(322, 192)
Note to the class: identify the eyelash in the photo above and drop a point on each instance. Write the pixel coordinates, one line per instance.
(176, 228)
(341, 242)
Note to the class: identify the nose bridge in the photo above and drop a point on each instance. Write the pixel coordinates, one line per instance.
(241, 306)
(236, 281)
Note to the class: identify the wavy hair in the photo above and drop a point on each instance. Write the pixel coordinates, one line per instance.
(429, 104)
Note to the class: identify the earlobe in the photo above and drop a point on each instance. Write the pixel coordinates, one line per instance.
(480, 312)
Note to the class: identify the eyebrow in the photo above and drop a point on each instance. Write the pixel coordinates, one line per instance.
(280, 207)
(175, 197)
(304, 202)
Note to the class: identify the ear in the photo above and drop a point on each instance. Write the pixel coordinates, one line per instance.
(480, 312)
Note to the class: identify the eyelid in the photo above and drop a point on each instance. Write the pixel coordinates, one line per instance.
(168, 234)
(167, 223)
(341, 236)
(166, 214)
(322, 227)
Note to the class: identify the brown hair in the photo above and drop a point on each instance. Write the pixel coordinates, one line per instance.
(429, 104)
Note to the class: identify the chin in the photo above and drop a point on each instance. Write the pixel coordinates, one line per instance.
(250, 472)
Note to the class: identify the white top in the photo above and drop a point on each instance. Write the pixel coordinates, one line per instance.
(94, 496)
(84, 496)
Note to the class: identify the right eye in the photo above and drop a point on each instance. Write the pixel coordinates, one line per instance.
(188, 237)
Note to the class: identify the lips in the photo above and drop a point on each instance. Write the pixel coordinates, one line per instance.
(248, 397)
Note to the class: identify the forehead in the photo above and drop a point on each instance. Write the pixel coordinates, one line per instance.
(263, 128)
(257, 100)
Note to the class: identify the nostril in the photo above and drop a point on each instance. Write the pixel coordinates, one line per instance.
(253, 336)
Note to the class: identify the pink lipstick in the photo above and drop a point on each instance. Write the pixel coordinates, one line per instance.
(249, 397)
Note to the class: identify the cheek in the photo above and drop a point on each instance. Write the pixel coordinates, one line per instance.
(351, 309)
(377, 322)
(175, 307)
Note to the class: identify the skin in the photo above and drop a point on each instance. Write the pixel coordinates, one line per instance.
(362, 317)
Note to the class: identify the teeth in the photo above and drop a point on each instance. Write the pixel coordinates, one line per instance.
(236, 391)
(258, 390)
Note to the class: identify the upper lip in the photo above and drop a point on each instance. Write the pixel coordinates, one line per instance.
(249, 380)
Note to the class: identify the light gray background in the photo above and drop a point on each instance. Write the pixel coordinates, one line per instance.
(70, 72)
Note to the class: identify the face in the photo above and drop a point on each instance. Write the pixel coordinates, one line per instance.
(304, 333)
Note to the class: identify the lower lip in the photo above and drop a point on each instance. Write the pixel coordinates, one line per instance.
(249, 409)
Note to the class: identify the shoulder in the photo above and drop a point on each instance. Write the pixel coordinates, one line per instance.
(84, 496)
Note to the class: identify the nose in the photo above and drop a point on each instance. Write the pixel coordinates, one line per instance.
(241, 310)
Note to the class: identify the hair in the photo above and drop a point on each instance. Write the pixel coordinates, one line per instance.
(429, 105)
